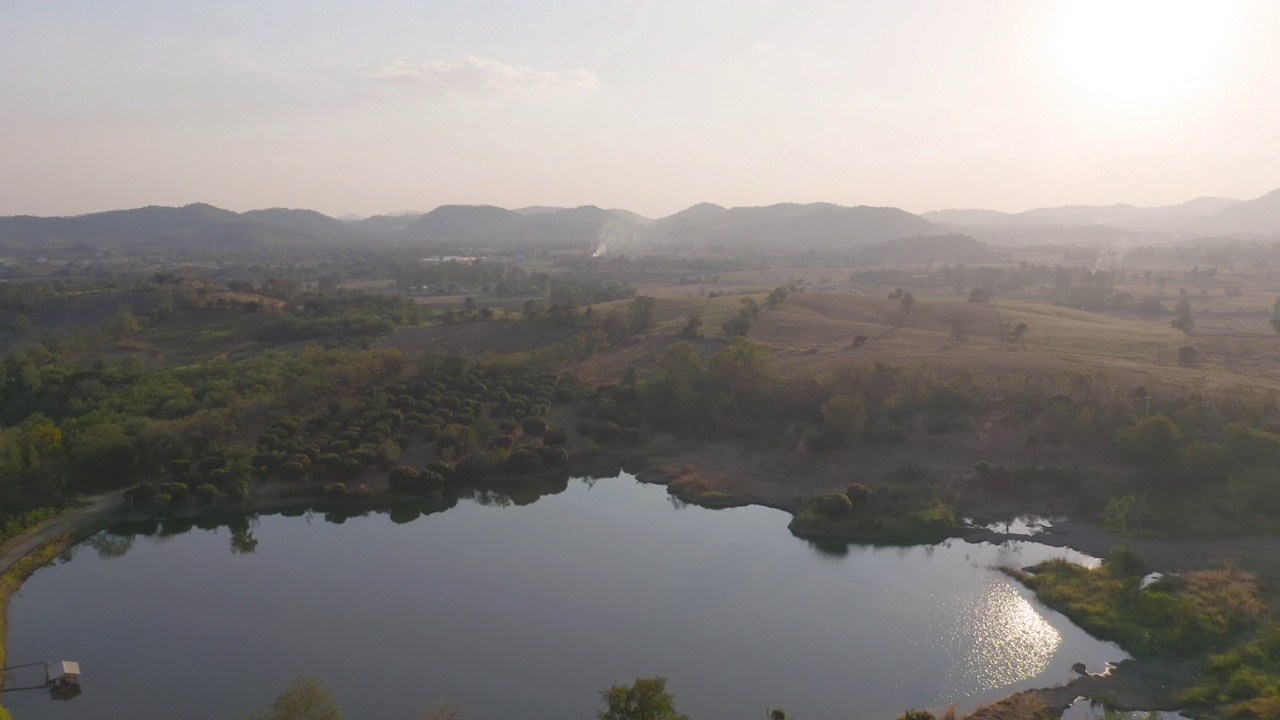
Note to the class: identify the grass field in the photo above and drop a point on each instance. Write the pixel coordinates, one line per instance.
(1077, 331)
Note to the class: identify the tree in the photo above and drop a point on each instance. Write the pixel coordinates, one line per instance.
(1151, 441)
(693, 326)
(1019, 334)
(647, 699)
(739, 325)
(744, 368)
(908, 302)
(1275, 324)
(1183, 320)
(978, 295)
(306, 698)
(640, 314)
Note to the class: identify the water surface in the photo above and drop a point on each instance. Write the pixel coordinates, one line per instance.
(529, 611)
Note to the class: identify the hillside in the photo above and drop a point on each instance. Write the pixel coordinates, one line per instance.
(790, 224)
(1261, 215)
(150, 229)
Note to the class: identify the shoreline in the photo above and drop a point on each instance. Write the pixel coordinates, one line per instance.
(1133, 683)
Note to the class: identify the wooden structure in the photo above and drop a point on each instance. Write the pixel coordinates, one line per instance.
(61, 679)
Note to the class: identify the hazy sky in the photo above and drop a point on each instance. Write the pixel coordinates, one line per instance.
(388, 106)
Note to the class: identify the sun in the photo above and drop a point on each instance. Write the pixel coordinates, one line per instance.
(1130, 53)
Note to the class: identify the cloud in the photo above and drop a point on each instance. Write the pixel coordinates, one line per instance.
(477, 74)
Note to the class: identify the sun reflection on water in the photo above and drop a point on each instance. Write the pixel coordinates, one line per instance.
(1009, 640)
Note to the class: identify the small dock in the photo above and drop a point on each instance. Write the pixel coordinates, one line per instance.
(60, 678)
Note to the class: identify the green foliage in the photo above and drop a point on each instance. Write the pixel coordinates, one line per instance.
(1175, 615)
(858, 495)
(834, 503)
(555, 436)
(646, 699)
(1152, 441)
(1127, 514)
(535, 426)
(525, 460)
(306, 698)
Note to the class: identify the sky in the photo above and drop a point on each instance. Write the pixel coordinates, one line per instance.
(380, 107)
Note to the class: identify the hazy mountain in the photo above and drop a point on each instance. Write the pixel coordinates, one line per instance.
(1260, 215)
(791, 224)
(960, 217)
(154, 228)
(539, 210)
(386, 224)
(1165, 217)
(628, 216)
(303, 221)
(462, 223)
(697, 215)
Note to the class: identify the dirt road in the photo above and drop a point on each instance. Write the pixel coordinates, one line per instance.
(77, 522)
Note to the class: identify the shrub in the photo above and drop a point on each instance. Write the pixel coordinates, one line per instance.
(630, 436)
(508, 426)
(443, 469)
(207, 492)
(554, 455)
(525, 460)
(176, 491)
(555, 436)
(335, 491)
(834, 504)
(982, 467)
(404, 479)
(858, 494)
(534, 426)
(505, 442)
(585, 428)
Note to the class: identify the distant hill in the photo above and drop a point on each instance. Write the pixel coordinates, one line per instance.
(462, 223)
(1130, 217)
(155, 228)
(303, 221)
(792, 224)
(1260, 215)
(386, 224)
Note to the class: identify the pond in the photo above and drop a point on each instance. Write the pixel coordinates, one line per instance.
(529, 610)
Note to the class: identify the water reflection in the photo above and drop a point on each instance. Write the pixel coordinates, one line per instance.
(1009, 639)
(552, 600)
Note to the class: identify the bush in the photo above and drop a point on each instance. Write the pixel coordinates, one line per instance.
(508, 426)
(585, 428)
(555, 436)
(858, 494)
(443, 469)
(834, 504)
(535, 426)
(630, 436)
(479, 465)
(504, 442)
(554, 455)
(207, 492)
(335, 491)
(404, 479)
(525, 460)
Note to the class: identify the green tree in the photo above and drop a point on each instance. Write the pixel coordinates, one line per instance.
(1152, 440)
(306, 698)
(641, 313)
(646, 699)
(908, 303)
(693, 326)
(744, 368)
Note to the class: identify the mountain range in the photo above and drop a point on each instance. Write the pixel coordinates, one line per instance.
(798, 226)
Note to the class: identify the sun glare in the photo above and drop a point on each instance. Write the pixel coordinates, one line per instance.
(1143, 52)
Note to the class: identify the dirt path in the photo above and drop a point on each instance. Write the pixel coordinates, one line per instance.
(77, 521)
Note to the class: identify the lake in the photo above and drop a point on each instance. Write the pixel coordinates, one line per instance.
(528, 611)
